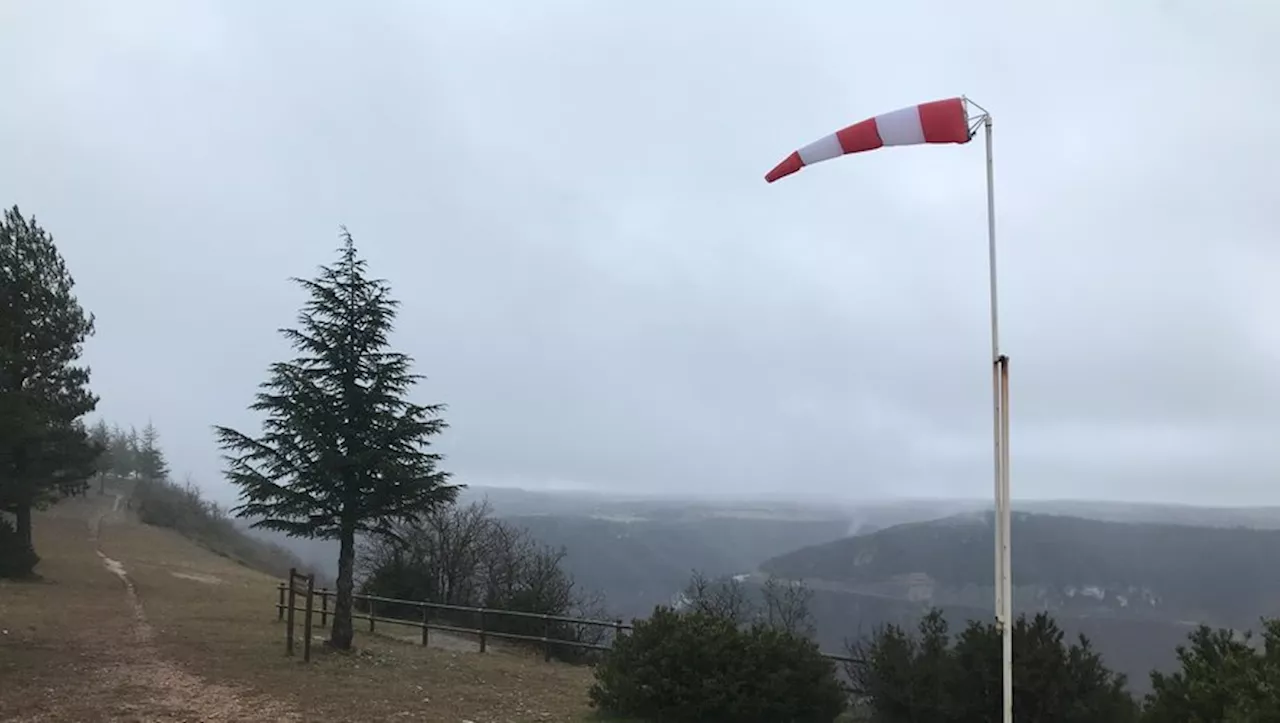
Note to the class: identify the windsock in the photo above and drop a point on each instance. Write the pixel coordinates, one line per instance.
(942, 121)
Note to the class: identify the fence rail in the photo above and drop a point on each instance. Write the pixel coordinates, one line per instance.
(286, 606)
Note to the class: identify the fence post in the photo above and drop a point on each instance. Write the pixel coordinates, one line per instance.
(288, 635)
(372, 615)
(546, 638)
(324, 607)
(483, 637)
(425, 621)
(280, 605)
(306, 641)
(617, 630)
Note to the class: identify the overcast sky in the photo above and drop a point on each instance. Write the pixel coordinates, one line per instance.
(568, 199)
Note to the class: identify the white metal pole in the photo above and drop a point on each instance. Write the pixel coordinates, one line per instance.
(1001, 517)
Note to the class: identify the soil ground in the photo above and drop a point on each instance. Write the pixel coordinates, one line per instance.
(135, 623)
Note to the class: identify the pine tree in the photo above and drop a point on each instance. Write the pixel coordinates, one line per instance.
(933, 676)
(45, 451)
(342, 451)
(133, 453)
(100, 435)
(151, 464)
(1223, 676)
(119, 454)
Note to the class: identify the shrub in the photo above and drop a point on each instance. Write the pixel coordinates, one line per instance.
(163, 503)
(700, 666)
(17, 559)
(937, 677)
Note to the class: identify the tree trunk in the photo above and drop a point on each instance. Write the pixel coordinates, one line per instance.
(341, 633)
(23, 513)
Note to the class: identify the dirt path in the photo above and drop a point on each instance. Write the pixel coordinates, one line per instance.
(135, 623)
(167, 692)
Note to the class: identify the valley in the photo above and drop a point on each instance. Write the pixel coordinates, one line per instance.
(1134, 578)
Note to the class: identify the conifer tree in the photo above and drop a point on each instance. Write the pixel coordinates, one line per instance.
(133, 453)
(45, 451)
(151, 463)
(342, 450)
(119, 454)
(100, 436)
(934, 676)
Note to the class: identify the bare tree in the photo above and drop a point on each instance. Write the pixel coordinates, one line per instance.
(464, 556)
(787, 607)
(725, 598)
(444, 552)
(783, 604)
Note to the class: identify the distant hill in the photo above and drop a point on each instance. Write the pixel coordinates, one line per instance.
(1136, 589)
(638, 563)
(1226, 576)
(1263, 518)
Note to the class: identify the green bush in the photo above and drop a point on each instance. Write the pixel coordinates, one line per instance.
(696, 667)
(17, 559)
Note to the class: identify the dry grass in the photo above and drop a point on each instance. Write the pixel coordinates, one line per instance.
(212, 650)
(57, 633)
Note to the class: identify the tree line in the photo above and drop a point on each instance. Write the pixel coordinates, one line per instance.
(930, 674)
(127, 454)
(725, 652)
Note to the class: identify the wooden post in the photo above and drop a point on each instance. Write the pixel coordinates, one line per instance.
(483, 637)
(371, 614)
(425, 622)
(280, 605)
(546, 637)
(306, 641)
(288, 635)
(617, 631)
(324, 607)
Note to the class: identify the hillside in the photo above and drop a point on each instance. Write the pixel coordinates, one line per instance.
(1224, 576)
(133, 622)
(640, 563)
(1135, 589)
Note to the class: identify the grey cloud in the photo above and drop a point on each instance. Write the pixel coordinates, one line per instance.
(568, 198)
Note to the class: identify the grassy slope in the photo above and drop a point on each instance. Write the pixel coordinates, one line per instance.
(73, 651)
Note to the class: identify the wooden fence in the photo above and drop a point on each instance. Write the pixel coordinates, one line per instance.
(304, 585)
(428, 618)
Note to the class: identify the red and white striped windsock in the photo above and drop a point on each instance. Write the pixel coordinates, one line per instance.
(942, 121)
